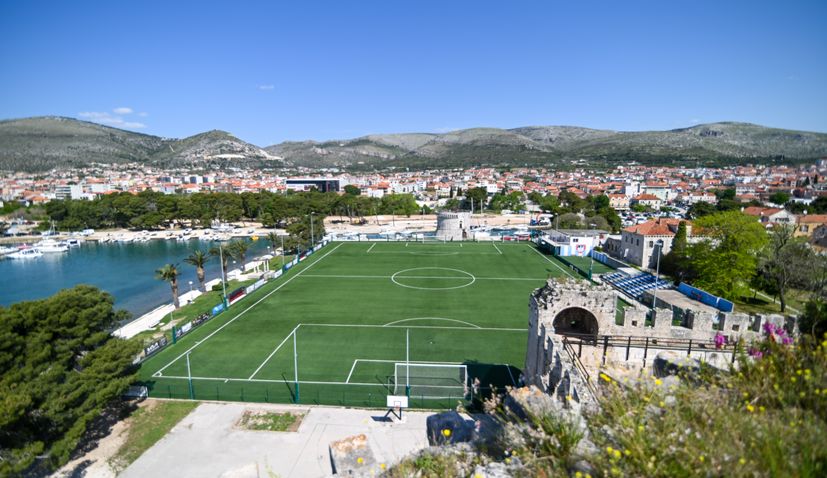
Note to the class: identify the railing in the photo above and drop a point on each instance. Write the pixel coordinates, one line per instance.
(630, 342)
(578, 365)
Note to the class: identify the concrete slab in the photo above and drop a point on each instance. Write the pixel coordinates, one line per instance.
(207, 442)
(671, 297)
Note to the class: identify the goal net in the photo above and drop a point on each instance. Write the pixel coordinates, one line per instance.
(430, 240)
(431, 380)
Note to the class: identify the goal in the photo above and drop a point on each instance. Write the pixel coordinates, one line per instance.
(431, 380)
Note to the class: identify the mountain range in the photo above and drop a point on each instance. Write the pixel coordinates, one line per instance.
(43, 143)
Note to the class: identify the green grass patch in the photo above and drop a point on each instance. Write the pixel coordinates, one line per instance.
(270, 421)
(353, 310)
(148, 424)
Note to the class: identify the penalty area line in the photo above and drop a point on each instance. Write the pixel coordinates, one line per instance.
(248, 309)
(292, 332)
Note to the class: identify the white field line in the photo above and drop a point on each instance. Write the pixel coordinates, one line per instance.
(371, 247)
(310, 382)
(347, 380)
(247, 309)
(274, 351)
(497, 248)
(433, 318)
(437, 253)
(262, 380)
(497, 329)
(546, 258)
(356, 361)
(335, 276)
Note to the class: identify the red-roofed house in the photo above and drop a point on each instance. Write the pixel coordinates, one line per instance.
(770, 215)
(808, 223)
(638, 243)
(648, 200)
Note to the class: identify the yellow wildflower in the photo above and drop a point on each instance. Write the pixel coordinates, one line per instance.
(750, 408)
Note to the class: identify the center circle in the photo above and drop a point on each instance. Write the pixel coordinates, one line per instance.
(400, 276)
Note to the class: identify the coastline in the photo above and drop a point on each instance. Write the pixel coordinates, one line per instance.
(242, 229)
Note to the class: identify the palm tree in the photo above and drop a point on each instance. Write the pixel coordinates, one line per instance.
(238, 249)
(217, 252)
(274, 239)
(169, 273)
(198, 259)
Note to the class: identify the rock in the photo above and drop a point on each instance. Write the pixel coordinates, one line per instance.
(353, 456)
(670, 363)
(449, 427)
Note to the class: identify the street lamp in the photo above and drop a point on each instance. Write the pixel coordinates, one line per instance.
(659, 243)
(190, 286)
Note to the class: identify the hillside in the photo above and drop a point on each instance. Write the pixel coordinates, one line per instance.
(42, 143)
(708, 144)
(35, 144)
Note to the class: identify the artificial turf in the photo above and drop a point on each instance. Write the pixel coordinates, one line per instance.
(353, 307)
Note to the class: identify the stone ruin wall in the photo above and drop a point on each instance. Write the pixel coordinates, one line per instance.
(548, 366)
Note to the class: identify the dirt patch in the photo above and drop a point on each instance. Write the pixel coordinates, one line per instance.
(262, 420)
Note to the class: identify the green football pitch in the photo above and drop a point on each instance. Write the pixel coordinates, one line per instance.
(339, 327)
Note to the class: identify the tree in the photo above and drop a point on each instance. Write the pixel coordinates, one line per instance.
(169, 273)
(59, 369)
(198, 259)
(779, 197)
(700, 209)
(676, 262)
(224, 257)
(814, 319)
(787, 261)
(727, 260)
(352, 190)
(275, 240)
(238, 251)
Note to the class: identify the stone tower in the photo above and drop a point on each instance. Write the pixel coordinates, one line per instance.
(453, 226)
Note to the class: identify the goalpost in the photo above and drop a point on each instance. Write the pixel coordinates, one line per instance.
(430, 240)
(430, 380)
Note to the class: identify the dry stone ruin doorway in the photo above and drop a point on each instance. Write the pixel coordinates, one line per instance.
(575, 321)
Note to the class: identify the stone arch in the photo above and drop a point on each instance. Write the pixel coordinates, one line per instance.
(575, 320)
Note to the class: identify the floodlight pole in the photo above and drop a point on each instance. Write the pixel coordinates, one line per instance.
(223, 276)
(408, 363)
(296, 366)
(282, 251)
(312, 236)
(657, 274)
(189, 377)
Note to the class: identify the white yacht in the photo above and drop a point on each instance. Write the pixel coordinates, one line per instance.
(26, 253)
(50, 245)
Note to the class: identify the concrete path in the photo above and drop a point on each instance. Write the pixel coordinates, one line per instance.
(207, 442)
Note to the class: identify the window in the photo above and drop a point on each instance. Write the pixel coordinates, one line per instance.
(638, 242)
(651, 243)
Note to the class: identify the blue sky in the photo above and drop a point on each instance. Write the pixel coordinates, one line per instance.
(274, 71)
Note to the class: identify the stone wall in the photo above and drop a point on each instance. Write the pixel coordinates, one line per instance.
(559, 296)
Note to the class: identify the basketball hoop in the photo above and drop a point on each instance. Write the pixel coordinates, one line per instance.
(395, 404)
